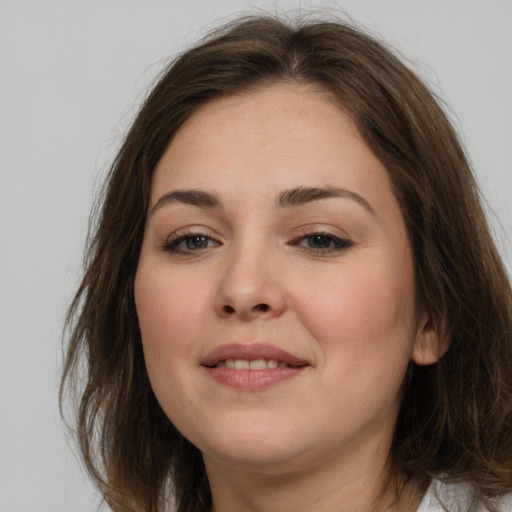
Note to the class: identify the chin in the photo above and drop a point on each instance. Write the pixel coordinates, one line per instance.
(255, 445)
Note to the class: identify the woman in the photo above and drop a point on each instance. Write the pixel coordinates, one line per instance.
(292, 300)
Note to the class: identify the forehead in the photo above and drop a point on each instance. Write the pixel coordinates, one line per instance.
(274, 138)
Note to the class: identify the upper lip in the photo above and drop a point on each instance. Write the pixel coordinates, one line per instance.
(251, 352)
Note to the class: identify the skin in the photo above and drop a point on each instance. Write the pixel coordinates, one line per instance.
(321, 439)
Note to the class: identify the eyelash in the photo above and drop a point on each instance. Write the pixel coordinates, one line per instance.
(336, 244)
(339, 244)
(173, 245)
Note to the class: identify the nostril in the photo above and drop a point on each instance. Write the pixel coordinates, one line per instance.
(258, 308)
(261, 307)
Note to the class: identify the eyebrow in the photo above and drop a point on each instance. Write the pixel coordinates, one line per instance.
(289, 198)
(302, 195)
(198, 198)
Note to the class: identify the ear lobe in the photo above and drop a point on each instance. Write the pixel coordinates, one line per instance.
(431, 344)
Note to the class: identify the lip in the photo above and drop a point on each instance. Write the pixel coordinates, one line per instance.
(251, 352)
(252, 380)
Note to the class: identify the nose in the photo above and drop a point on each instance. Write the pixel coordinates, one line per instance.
(250, 287)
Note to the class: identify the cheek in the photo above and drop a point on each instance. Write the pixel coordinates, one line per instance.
(170, 311)
(361, 311)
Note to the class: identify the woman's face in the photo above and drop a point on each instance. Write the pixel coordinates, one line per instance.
(275, 287)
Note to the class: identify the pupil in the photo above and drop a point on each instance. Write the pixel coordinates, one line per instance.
(320, 241)
(196, 242)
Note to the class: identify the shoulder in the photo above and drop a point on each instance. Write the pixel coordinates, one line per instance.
(456, 497)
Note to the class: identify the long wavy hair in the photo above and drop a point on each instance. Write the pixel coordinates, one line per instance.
(455, 420)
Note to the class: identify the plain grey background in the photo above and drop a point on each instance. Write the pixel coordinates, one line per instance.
(71, 76)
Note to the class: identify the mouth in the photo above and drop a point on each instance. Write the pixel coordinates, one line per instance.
(254, 356)
(254, 364)
(252, 367)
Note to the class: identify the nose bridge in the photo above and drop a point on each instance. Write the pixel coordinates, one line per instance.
(249, 285)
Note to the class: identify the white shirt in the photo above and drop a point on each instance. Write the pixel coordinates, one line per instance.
(455, 498)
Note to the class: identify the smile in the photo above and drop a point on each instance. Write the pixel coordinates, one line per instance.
(256, 364)
(252, 367)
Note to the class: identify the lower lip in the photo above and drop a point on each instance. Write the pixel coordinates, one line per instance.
(253, 380)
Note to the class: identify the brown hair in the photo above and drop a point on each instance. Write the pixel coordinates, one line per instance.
(456, 417)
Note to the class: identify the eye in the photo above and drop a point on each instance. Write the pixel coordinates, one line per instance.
(190, 243)
(322, 243)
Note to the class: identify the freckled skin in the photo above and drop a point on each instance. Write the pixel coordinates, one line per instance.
(348, 312)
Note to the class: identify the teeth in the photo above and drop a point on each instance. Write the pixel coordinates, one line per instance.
(258, 364)
(255, 364)
(240, 364)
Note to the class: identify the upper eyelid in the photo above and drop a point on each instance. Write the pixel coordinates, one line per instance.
(296, 233)
(305, 230)
(192, 231)
(312, 229)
